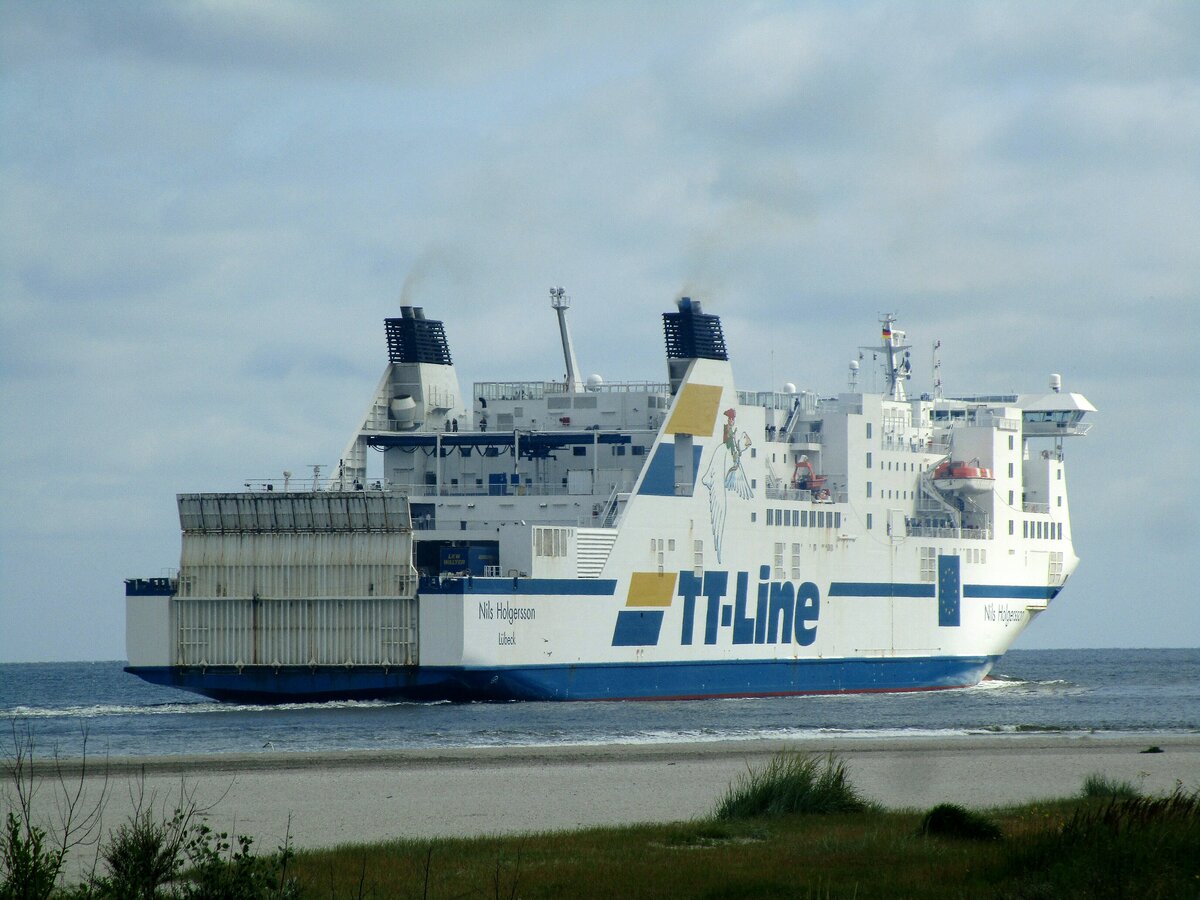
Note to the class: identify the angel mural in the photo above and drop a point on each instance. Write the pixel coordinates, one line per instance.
(724, 475)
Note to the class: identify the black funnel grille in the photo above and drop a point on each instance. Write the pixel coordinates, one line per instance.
(414, 339)
(691, 334)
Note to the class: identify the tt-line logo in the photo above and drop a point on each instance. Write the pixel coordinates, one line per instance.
(781, 612)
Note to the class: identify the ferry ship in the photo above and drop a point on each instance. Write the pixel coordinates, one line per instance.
(583, 540)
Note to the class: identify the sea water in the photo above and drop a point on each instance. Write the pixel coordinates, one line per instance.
(1101, 692)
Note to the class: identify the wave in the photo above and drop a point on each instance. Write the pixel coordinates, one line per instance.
(199, 706)
(1025, 728)
(708, 736)
(1012, 683)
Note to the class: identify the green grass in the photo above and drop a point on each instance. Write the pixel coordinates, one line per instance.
(795, 828)
(843, 855)
(791, 783)
(950, 820)
(1101, 787)
(797, 855)
(1146, 847)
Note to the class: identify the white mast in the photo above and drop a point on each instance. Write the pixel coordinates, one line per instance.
(899, 369)
(561, 303)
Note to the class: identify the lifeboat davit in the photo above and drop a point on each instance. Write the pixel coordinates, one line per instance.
(968, 478)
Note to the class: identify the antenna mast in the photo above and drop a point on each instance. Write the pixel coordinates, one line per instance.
(560, 302)
(937, 371)
(897, 367)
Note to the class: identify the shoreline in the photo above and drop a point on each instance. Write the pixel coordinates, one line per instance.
(567, 754)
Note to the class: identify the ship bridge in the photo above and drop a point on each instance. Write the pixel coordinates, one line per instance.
(1055, 415)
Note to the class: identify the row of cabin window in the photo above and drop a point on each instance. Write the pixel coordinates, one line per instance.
(897, 467)
(582, 450)
(804, 518)
(891, 494)
(1039, 530)
(1011, 440)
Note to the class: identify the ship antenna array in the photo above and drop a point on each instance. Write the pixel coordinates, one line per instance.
(937, 371)
(897, 364)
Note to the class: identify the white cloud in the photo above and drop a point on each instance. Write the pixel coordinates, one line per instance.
(209, 207)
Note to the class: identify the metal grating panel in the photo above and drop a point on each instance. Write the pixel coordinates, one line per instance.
(413, 340)
(691, 334)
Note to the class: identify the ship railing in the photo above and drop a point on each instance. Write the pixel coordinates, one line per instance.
(525, 489)
(530, 489)
(803, 437)
(969, 534)
(537, 390)
(305, 484)
(914, 444)
(607, 514)
(779, 400)
(631, 387)
(447, 521)
(823, 496)
(1035, 507)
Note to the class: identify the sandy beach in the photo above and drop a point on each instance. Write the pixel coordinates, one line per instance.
(353, 797)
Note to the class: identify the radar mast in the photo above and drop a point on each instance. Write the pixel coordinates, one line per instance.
(899, 368)
(560, 302)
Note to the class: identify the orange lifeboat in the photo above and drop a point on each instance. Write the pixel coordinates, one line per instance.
(958, 476)
(804, 478)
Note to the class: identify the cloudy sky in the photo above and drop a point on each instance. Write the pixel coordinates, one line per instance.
(208, 207)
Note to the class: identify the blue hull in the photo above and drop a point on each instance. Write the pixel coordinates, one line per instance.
(640, 681)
